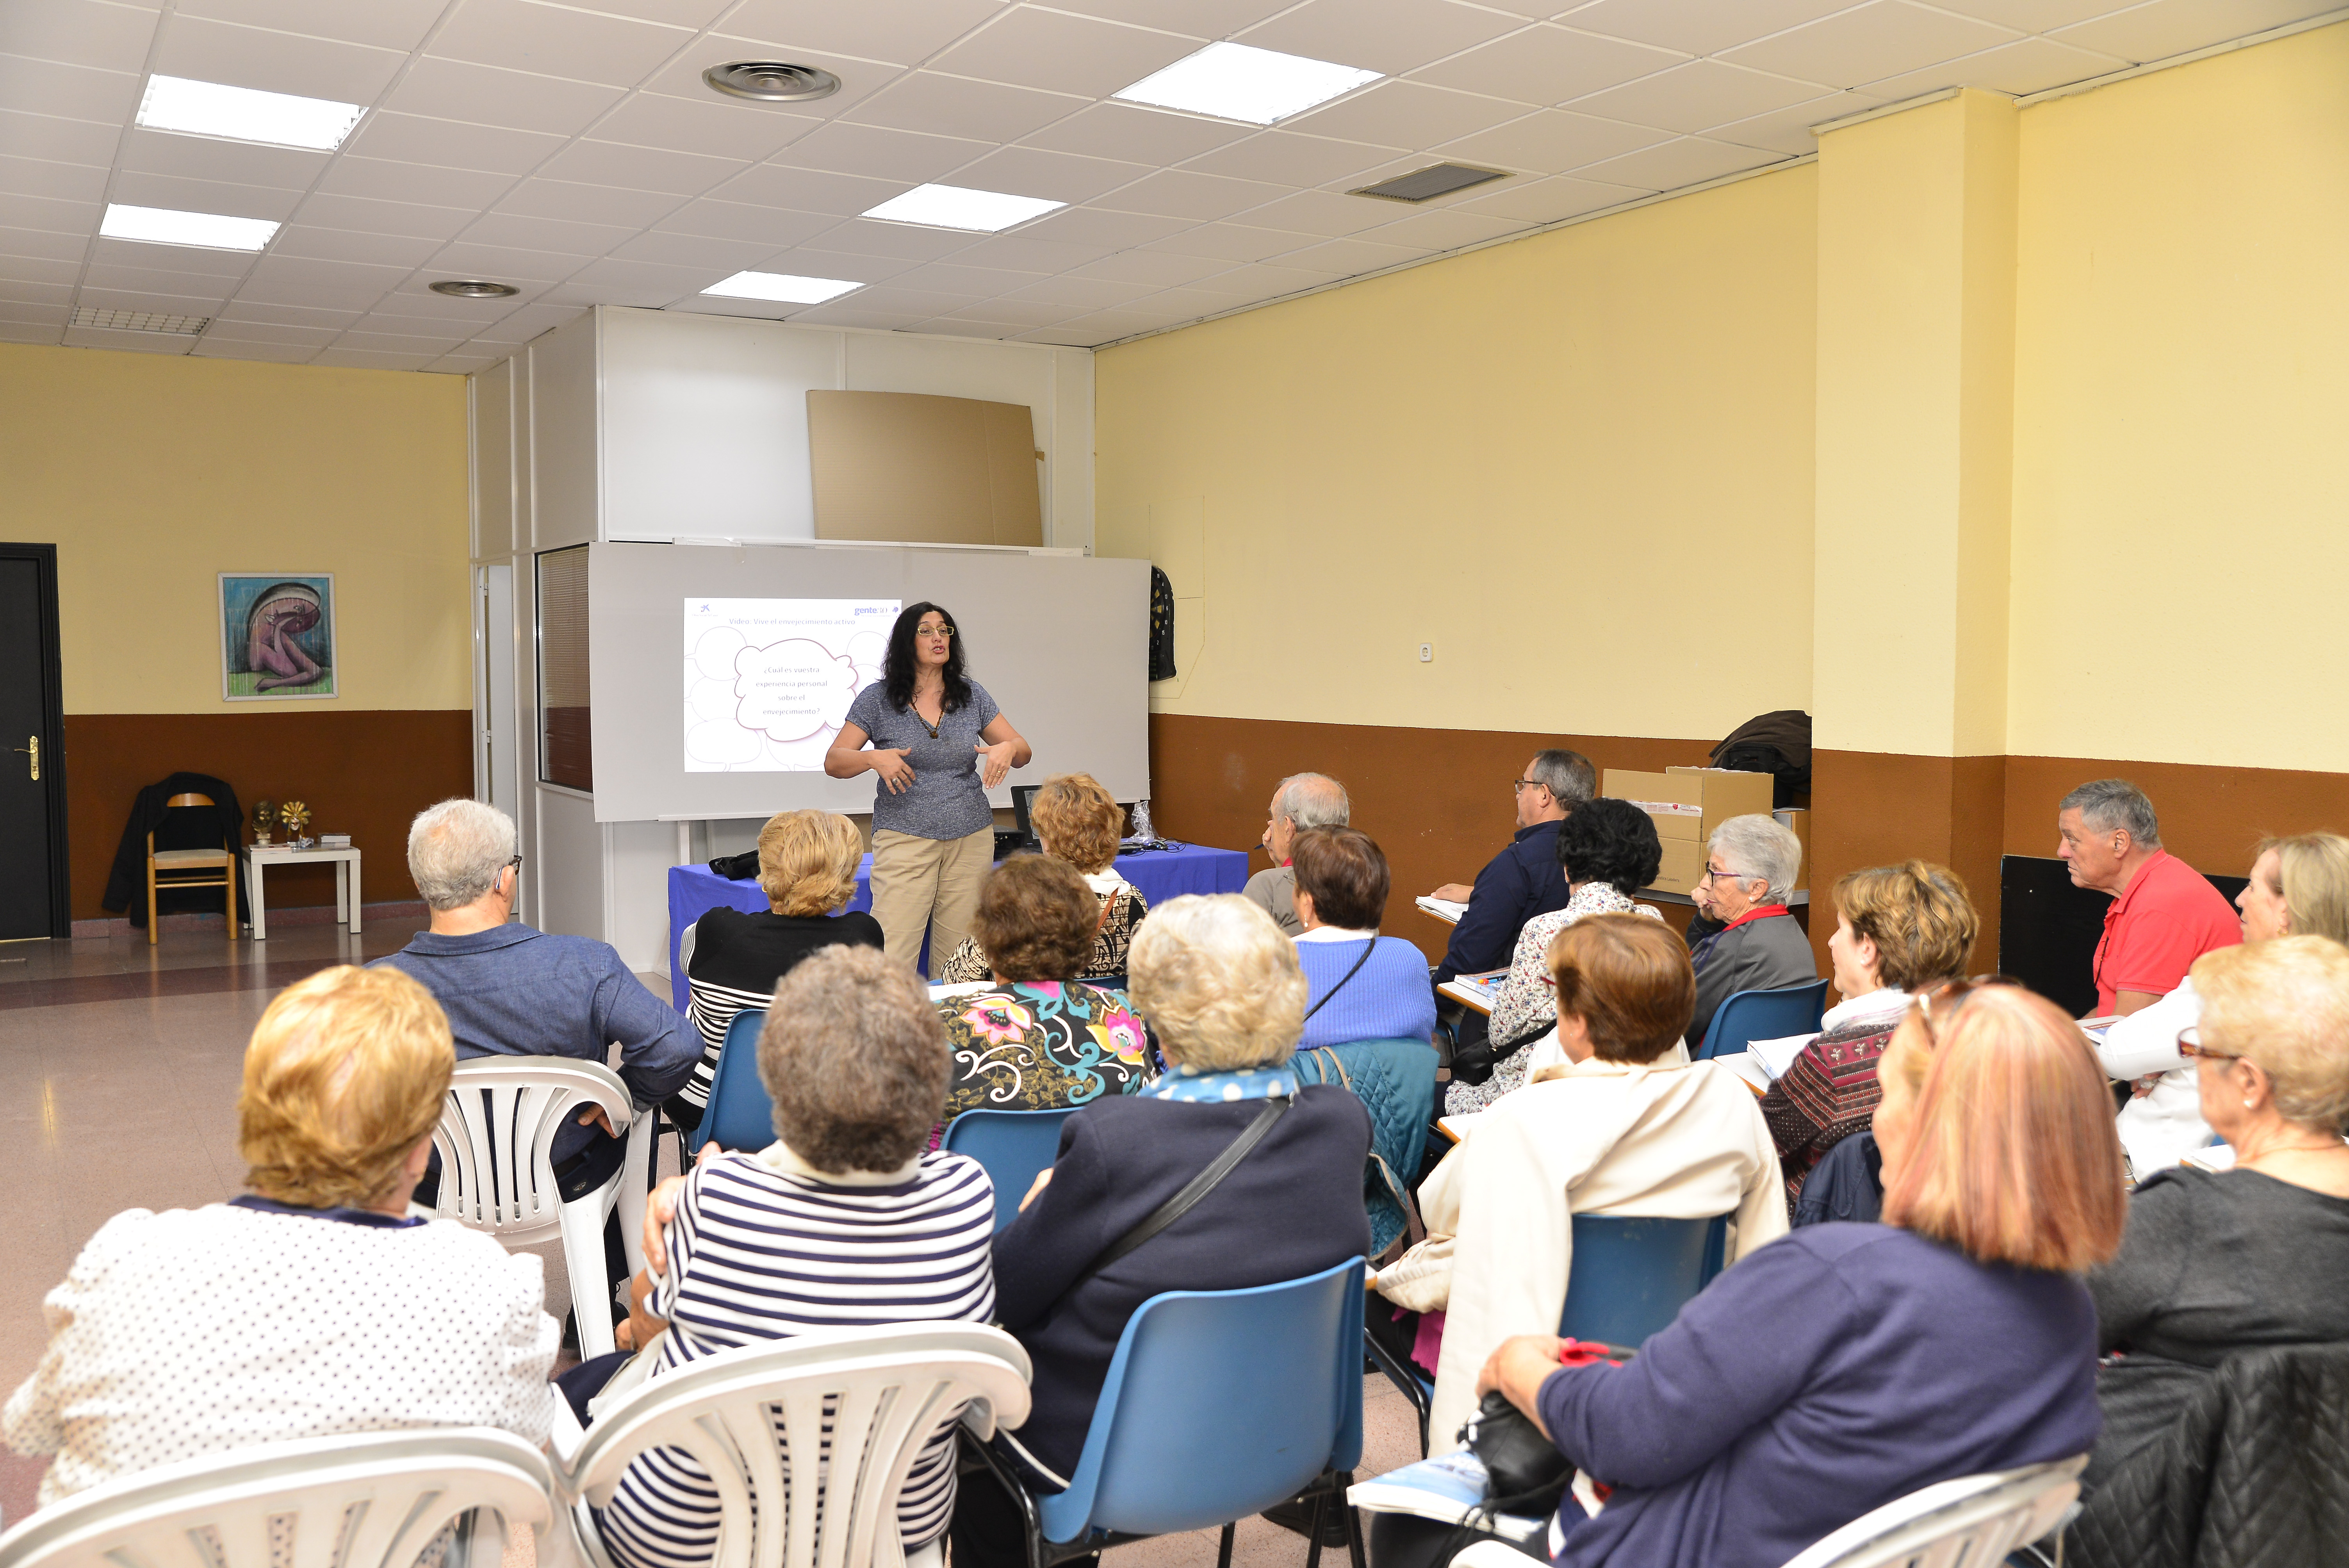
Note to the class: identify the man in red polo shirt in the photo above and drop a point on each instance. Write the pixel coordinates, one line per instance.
(2165, 914)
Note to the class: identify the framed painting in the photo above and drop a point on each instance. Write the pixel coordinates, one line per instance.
(277, 636)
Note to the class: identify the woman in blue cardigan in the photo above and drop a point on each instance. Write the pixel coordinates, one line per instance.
(1844, 1366)
(1360, 986)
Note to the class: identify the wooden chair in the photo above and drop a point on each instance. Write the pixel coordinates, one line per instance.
(188, 867)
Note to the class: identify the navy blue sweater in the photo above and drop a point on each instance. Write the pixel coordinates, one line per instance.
(1520, 882)
(1836, 1369)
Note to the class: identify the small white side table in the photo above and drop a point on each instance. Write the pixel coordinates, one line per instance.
(346, 882)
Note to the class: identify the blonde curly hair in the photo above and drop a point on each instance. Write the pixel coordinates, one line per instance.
(807, 861)
(1218, 982)
(345, 1076)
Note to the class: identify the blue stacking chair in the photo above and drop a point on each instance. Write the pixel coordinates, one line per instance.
(740, 1116)
(1258, 1391)
(1751, 1016)
(1631, 1275)
(1013, 1145)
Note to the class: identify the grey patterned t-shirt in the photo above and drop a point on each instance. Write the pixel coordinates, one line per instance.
(946, 801)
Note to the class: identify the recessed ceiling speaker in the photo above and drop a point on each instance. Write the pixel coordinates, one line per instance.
(1424, 184)
(473, 288)
(771, 81)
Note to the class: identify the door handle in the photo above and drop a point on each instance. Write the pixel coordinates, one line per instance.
(35, 749)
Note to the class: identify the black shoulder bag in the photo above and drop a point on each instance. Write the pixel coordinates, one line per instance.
(1368, 948)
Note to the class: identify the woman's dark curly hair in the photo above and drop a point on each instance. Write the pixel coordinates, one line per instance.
(897, 665)
(1611, 842)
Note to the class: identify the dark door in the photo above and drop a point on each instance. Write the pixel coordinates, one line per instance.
(32, 800)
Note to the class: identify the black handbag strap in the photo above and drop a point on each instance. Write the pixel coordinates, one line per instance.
(1198, 1187)
(1368, 948)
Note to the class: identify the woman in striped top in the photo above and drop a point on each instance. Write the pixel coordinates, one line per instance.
(807, 867)
(843, 1223)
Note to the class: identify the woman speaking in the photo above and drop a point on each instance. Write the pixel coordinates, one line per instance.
(930, 727)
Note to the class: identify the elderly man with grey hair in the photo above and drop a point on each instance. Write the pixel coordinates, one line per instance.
(1524, 878)
(512, 991)
(1299, 802)
(2163, 914)
(1750, 866)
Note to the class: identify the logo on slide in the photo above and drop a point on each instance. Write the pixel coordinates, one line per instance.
(768, 682)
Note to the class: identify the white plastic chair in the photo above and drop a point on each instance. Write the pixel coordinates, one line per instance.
(1971, 1523)
(372, 1500)
(890, 1388)
(497, 1175)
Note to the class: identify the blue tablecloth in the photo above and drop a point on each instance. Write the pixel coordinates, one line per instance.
(1159, 875)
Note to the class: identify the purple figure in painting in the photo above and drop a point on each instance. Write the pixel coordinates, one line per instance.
(271, 649)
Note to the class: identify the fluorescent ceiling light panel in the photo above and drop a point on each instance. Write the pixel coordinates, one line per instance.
(1234, 81)
(781, 286)
(242, 114)
(954, 207)
(161, 226)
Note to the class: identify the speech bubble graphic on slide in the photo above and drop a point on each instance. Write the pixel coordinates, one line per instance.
(721, 743)
(793, 688)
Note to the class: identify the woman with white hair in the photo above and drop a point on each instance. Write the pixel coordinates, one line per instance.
(1750, 866)
(313, 1304)
(1222, 988)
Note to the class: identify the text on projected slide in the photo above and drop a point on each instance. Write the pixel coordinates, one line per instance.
(768, 681)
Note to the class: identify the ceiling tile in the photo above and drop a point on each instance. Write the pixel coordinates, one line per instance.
(2025, 66)
(1061, 53)
(271, 332)
(481, 95)
(34, 292)
(103, 298)
(1349, 257)
(1882, 38)
(574, 202)
(1551, 200)
(501, 264)
(691, 15)
(953, 277)
(1550, 142)
(461, 364)
(737, 222)
(367, 216)
(1061, 336)
(748, 309)
(1687, 160)
(360, 359)
(1179, 193)
(718, 128)
(1405, 114)
(2166, 27)
(1788, 130)
(42, 86)
(240, 57)
(1017, 252)
(206, 158)
(1444, 229)
(1197, 18)
(156, 280)
(595, 162)
(681, 77)
(1142, 135)
(808, 189)
(61, 140)
(1698, 96)
(917, 302)
(516, 232)
(961, 106)
(397, 343)
(412, 308)
(1054, 175)
(218, 196)
(1548, 65)
(29, 332)
(129, 342)
(900, 242)
(875, 152)
(1018, 314)
(531, 320)
(388, 24)
(1147, 269)
(1292, 158)
(211, 346)
(384, 180)
(242, 309)
(345, 245)
(557, 41)
(1073, 293)
(2034, 15)
(78, 33)
(55, 312)
(1093, 226)
(451, 144)
(846, 314)
(1265, 280)
(808, 261)
(49, 213)
(24, 270)
(1697, 27)
(37, 177)
(1322, 212)
(1232, 242)
(1193, 303)
(1389, 35)
(904, 31)
(170, 258)
(640, 281)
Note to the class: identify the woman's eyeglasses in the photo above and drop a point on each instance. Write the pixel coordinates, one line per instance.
(1949, 998)
(2190, 1046)
(946, 632)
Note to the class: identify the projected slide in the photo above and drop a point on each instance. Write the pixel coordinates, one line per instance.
(768, 681)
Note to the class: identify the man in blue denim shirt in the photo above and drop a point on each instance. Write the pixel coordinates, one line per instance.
(512, 991)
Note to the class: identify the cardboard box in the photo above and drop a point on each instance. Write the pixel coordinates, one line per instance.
(1796, 817)
(1683, 863)
(1687, 804)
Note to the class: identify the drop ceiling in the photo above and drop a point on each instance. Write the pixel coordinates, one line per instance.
(574, 152)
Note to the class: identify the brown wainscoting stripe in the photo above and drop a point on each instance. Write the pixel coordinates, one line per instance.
(364, 771)
(1874, 808)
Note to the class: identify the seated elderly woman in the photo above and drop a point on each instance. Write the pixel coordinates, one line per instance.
(1221, 985)
(1040, 1038)
(1750, 866)
(807, 869)
(1844, 1366)
(314, 1305)
(1360, 986)
(1075, 820)
(813, 1232)
(2217, 1262)
(2299, 886)
(1626, 1123)
(1609, 849)
(1900, 931)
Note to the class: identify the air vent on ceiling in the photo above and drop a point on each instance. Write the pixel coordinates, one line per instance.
(771, 81)
(1436, 179)
(139, 321)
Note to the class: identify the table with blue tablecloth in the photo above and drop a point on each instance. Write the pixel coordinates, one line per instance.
(1157, 874)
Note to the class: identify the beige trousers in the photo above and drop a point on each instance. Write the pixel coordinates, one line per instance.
(927, 882)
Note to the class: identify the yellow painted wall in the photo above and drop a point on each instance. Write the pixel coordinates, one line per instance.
(1579, 464)
(152, 474)
(2181, 468)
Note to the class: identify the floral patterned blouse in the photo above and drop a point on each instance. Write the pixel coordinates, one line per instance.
(1124, 907)
(1040, 1046)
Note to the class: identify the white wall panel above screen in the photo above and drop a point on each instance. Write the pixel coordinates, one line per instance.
(1059, 640)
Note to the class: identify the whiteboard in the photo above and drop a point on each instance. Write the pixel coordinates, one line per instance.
(1060, 641)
